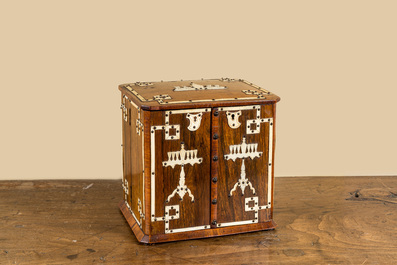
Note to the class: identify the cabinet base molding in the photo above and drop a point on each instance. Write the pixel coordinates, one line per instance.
(214, 232)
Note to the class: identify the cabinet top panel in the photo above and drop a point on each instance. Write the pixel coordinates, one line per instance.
(196, 93)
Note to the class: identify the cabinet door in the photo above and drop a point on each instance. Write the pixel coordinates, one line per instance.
(180, 170)
(244, 170)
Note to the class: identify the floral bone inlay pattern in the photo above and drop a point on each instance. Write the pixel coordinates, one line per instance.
(243, 151)
(182, 158)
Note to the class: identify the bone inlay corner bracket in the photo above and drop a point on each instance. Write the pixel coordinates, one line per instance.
(243, 151)
(182, 158)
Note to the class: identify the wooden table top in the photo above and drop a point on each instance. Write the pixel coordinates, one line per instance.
(323, 220)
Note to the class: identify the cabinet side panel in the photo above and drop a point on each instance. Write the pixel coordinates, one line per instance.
(133, 182)
(126, 181)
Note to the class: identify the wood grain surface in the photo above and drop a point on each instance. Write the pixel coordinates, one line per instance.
(327, 220)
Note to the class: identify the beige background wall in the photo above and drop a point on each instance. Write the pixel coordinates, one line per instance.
(333, 63)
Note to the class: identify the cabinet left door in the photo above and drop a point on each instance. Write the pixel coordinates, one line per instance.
(180, 170)
(133, 181)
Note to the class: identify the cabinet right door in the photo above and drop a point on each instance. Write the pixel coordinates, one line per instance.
(245, 155)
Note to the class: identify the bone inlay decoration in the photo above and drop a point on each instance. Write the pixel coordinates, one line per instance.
(169, 216)
(260, 94)
(195, 121)
(232, 119)
(124, 109)
(255, 206)
(243, 151)
(125, 188)
(182, 158)
(141, 214)
(194, 86)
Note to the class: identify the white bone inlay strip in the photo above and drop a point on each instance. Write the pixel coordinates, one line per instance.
(194, 228)
(189, 111)
(236, 223)
(251, 107)
(152, 173)
(269, 178)
(206, 100)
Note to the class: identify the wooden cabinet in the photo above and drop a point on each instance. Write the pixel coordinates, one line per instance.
(197, 158)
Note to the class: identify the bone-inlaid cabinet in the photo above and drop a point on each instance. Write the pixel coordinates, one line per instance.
(197, 158)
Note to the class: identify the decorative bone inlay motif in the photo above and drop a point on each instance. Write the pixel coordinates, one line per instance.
(160, 98)
(226, 79)
(243, 151)
(232, 119)
(195, 121)
(125, 188)
(255, 206)
(169, 216)
(260, 94)
(194, 86)
(143, 84)
(141, 214)
(124, 109)
(171, 212)
(167, 128)
(182, 158)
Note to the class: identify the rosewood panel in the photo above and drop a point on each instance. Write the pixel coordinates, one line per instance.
(180, 170)
(244, 168)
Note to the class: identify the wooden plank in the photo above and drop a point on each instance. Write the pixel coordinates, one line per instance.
(327, 220)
